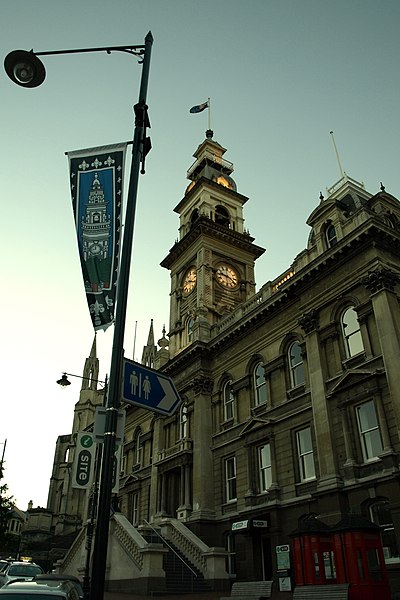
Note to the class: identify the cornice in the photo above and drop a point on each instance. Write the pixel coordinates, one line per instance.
(203, 181)
(204, 226)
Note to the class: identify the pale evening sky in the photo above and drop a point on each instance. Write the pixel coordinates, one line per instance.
(281, 74)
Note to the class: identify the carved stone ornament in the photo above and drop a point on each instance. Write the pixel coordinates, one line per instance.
(309, 321)
(203, 385)
(380, 279)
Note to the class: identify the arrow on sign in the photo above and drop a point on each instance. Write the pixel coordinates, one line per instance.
(148, 388)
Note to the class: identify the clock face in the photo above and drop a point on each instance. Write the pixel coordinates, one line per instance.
(227, 276)
(189, 281)
(95, 249)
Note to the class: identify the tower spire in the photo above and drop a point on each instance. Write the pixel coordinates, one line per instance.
(150, 350)
(91, 368)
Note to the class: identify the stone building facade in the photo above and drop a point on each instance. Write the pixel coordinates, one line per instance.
(290, 394)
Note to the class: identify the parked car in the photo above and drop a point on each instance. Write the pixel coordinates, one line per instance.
(3, 564)
(61, 577)
(38, 590)
(19, 570)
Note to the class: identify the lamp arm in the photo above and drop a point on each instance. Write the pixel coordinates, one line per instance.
(136, 50)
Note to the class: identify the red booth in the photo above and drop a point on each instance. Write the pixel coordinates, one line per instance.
(350, 552)
(313, 558)
(359, 558)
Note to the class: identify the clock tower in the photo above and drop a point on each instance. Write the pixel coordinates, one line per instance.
(212, 263)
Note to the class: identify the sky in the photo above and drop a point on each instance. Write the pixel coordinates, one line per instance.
(281, 74)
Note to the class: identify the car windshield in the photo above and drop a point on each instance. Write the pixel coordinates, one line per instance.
(20, 595)
(24, 570)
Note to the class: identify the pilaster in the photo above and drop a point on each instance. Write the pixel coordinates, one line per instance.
(380, 283)
(325, 446)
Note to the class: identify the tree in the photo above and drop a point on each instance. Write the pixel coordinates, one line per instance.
(6, 505)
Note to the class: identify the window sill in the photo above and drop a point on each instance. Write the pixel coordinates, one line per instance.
(296, 392)
(227, 424)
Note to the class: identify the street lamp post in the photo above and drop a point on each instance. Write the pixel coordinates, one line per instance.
(25, 69)
(91, 520)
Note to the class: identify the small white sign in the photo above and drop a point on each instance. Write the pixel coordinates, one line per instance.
(240, 525)
(260, 523)
(285, 584)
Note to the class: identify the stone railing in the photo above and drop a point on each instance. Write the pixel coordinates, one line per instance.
(209, 561)
(186, 541)
(185, 445)
(129, 539)
(72, 558)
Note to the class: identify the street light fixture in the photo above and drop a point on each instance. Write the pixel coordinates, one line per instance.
(26, 70)
(64, 381)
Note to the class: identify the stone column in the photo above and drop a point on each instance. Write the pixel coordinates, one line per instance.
(203, 494)
(154, 505)
(380, 283)
(322, 427)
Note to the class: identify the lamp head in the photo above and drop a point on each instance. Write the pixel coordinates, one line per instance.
(24, 68)
(64, 381)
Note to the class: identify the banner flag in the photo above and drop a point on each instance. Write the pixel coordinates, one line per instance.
(96, 177)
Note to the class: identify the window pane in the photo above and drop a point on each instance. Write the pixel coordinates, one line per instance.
(306, 456)
(351, 333)
(371, 442)
(265, 467)
(296, 364)
(260, 385)
(230, 478)
(228, 402)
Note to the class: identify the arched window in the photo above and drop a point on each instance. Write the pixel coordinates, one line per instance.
(296, 365)
(381, 515)
(351, 333)
(330, 236)
(260, 385)
(189, 329)
(183, 422)
(229, 401)
(222, 216)
(194, 216)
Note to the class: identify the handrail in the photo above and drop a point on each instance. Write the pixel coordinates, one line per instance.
(170, 547)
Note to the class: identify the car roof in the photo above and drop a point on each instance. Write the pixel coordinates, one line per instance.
(37, 587)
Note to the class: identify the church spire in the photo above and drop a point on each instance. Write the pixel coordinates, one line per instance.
(91, 369)
(149, 351)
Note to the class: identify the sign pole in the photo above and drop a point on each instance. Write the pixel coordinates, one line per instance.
(113, 402)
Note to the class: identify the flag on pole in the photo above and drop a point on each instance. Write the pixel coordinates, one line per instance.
(199, 107)
(96, 177)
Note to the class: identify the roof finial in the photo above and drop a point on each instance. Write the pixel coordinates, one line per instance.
(342, 173)
(382, 187)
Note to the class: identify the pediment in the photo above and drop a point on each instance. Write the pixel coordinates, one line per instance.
(254, 423)
(353, 378)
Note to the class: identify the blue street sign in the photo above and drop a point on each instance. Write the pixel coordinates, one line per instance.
(148, 388)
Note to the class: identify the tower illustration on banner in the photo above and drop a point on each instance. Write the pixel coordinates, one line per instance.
(96, 237)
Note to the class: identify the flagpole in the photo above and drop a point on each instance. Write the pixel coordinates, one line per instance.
(209, 114)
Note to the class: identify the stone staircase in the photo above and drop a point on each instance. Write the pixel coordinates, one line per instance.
(181, 575)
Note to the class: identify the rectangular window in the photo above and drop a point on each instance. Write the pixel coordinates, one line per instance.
(370, 436)
(265, 469)
(305, 454)
(230, 479)
(134, 509)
